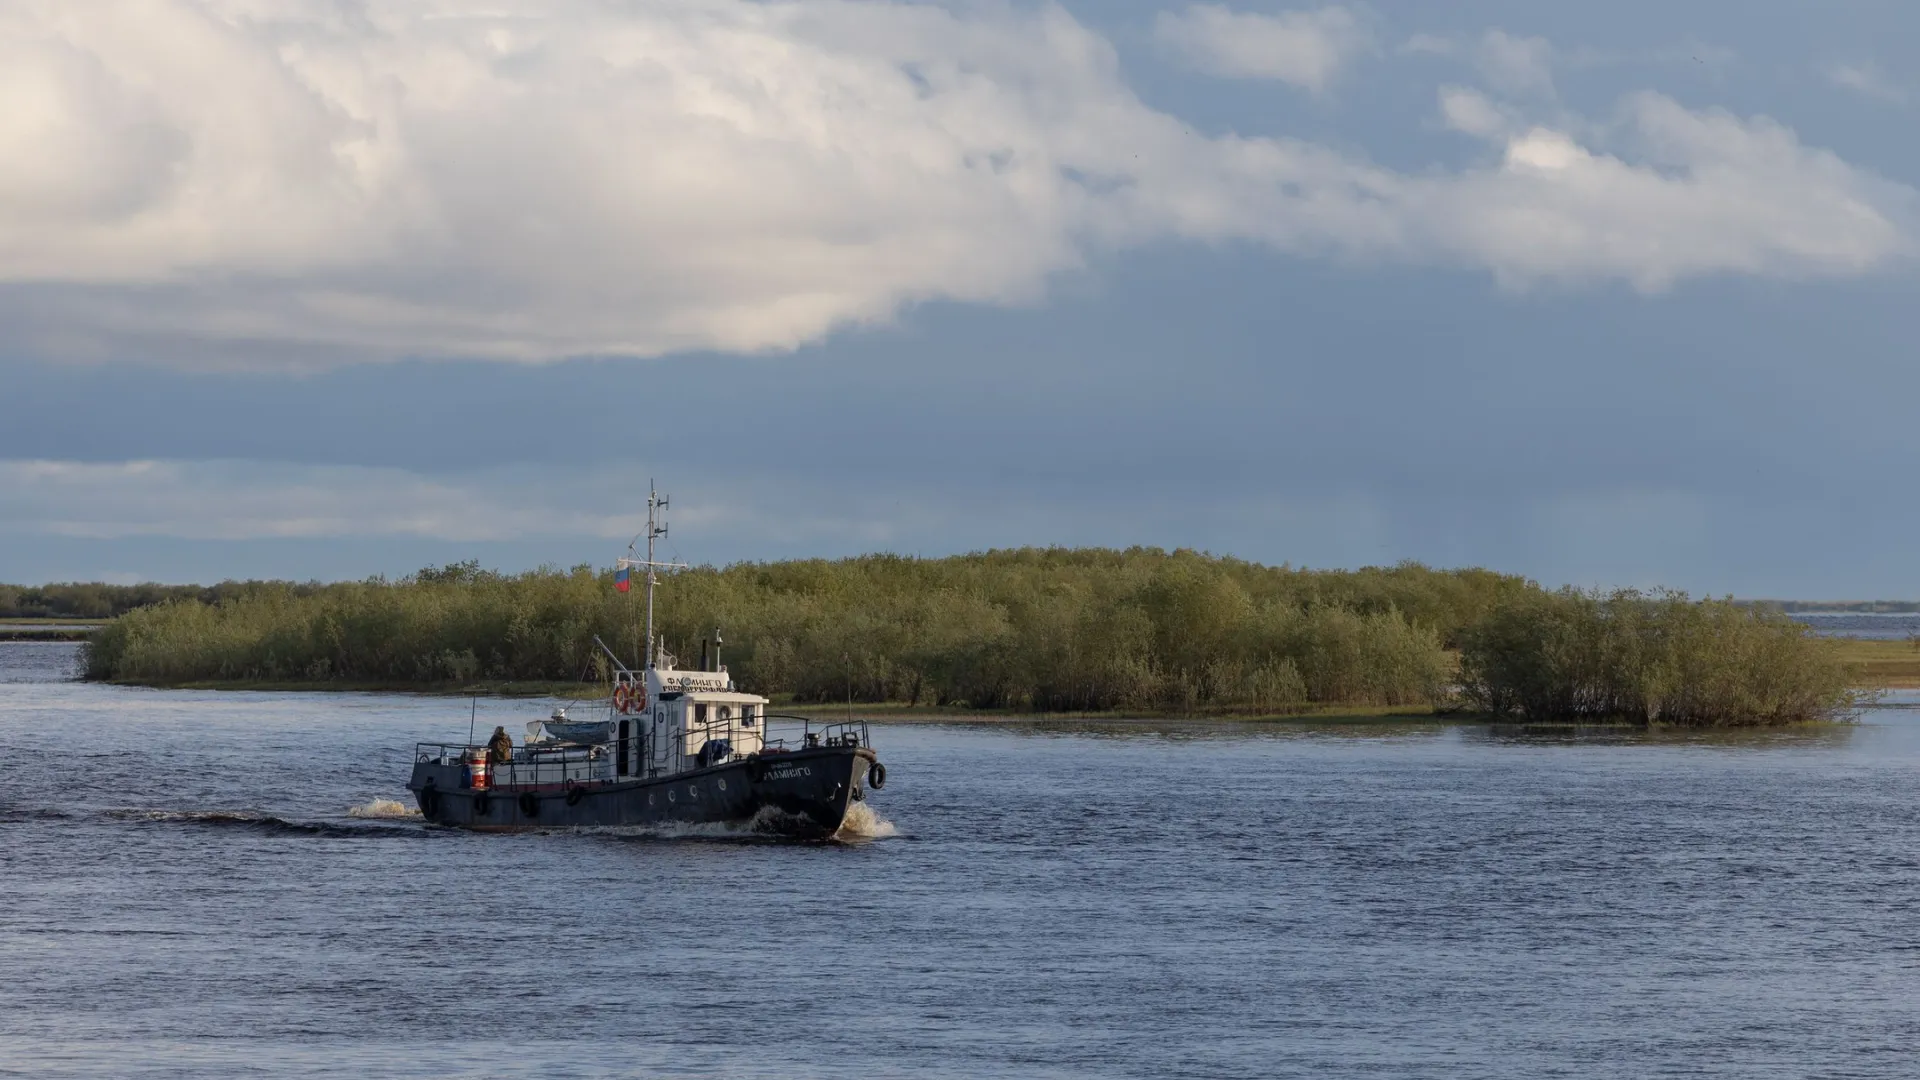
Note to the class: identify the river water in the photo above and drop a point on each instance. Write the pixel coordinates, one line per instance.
(1872, 625)
(190, 886)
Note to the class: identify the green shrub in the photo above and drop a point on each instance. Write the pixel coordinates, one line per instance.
(1047, 629)
(1649, 658)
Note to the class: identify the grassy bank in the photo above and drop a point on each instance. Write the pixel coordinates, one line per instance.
(902, 712)
(567, 690)
(1880, 665)
(1059, 632)
(889, 711)
(28, 629)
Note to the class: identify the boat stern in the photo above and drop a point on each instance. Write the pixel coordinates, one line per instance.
(438, 773)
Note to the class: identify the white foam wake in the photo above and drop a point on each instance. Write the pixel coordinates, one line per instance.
(769, 823)
(863, 824)
(383, 808)
(762, 824)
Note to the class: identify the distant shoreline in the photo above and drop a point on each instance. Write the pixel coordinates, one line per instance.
(901, 713)
(1882, 665)
(1838, 607)
(890, 711)
(48, 629)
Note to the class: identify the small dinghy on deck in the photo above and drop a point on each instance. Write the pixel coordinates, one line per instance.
(678, 746)
(559, 729)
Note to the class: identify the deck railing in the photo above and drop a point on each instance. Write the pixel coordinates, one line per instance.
(529, 767)
(556, 765)
(814, 732)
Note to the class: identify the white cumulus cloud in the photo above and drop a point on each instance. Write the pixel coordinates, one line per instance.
(273, 182)
(1705, 192)
(1304, 48)
(1473, 113)
(1516, 65)
(1868, 80)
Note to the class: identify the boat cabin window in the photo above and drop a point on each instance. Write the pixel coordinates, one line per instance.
(699, 714)
(746, 715)
(726, 712)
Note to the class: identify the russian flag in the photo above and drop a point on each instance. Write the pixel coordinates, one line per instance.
(620, 583)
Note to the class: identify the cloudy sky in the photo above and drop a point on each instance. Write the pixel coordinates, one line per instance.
(1603, 294)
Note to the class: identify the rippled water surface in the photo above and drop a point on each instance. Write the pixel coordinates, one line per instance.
(189, 886)
(1877, 625)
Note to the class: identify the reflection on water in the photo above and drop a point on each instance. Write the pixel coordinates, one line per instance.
(1420, 728)
(1184, 730)
(39, 661)
(1795, 737)
(200, 884)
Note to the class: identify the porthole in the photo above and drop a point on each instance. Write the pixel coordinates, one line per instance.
(692, 792)
(722, 781)
(669, 796)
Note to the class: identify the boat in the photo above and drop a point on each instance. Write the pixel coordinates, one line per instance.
(678, 746)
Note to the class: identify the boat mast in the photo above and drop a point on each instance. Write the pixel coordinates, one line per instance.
(656, 528)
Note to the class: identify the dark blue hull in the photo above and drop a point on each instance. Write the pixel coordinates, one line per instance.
(806, 793)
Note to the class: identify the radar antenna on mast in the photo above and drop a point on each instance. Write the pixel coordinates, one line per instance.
(656, 528)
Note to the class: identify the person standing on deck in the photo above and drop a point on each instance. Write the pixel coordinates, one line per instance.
(500, 747)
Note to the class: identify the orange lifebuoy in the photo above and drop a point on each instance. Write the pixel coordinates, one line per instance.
(639, 697)
(620, 699)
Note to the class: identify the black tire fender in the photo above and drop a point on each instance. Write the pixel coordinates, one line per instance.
(575, 792)
(482, 804)
(877, 776)
(529, 804)
(429, 801)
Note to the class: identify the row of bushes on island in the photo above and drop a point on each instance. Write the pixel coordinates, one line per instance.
(1034, 629)
(91, 600)
(1649, 658)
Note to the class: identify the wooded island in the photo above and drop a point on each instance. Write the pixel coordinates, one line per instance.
(1041, 630)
